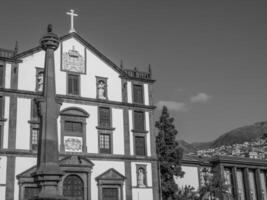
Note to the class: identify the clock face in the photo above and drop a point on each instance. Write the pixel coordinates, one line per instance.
(73, 61)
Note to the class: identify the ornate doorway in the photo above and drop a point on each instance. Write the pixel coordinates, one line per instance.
(73, 187)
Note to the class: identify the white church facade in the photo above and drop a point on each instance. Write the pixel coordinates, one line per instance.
(106, 140)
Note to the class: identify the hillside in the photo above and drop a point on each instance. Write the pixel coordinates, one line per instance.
(236, 136)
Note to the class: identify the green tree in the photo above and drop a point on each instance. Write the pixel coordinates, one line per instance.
(215, 186)
(169, 155)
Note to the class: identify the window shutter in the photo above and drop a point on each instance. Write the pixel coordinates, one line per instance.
(104, 117)
(73, 126)
(139, 120)
(140, 146)
(73, 84)
(104, 143)
(1, 76)
(138, 94)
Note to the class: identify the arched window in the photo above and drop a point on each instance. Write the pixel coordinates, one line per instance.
(73, 187)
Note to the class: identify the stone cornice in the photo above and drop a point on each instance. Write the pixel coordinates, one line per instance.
(66, 98)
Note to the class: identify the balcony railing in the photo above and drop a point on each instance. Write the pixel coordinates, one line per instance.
(6, 53)
(138, 74)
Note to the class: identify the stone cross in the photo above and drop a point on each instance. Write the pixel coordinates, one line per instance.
(72, 15)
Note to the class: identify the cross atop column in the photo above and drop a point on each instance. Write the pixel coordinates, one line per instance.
(72, 15)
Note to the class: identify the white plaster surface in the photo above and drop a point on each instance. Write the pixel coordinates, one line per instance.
(101, 167)
(8, 75)
(3, 163)
(190, 177)
(142, 194)
(129, 92)
(118, 133)
(6, 124)
(148, 144)
(22, 164)
(130, 131)
(23, 126)
(146, 94)
(2, 192)
(27, 70)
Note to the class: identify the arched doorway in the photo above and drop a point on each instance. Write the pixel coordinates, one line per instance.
(73, 187)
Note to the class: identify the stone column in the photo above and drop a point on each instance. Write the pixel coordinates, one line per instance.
(48, 173)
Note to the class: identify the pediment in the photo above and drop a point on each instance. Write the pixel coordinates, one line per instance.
(111, 174)
(74, 111)
(76, 161)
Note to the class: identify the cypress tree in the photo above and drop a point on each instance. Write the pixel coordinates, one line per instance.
(169, 155)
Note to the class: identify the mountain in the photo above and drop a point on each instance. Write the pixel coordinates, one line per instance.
(236, 136)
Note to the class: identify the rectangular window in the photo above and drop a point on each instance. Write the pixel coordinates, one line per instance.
(104, 117)
(34, 144)
(73, 126)
(138, 96)
(140, 146)
(110, 194)
(2, 78)
(104, 143)
(73, 84)
(139, 120)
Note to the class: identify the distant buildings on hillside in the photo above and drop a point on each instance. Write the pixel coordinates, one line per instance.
(255, 149)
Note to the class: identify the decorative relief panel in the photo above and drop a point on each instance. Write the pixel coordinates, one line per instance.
(73, 144)
(73, 60)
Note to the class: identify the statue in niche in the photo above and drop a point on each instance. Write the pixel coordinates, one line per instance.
(141, 177)
(40, 81)
(101, 89)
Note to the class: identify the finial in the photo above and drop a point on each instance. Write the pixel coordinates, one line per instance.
(49, 28)
(121, 64)
(149, 68)
(16, 47)
(135, 69)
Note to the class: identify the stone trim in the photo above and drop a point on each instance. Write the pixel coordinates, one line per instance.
(155, 180)
(10, 177)
(128, 180)
(66, 115)
(75, 99)
(127, 148)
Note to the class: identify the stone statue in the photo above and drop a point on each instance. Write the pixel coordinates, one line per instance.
(40, 81)
(141, 178)
(101, 90)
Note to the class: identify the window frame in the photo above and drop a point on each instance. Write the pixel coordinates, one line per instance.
(106, 132)
(110, 118)
(34, 127)
(145, 141)
(68, 74)
(73, 114)
(133, 92)
(144, 122)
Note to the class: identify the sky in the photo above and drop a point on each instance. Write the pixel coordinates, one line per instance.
(208, 57)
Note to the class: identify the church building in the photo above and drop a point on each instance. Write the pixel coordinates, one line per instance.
(106, 141)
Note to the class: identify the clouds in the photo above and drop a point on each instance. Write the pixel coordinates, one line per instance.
(200, 98)
(172, 105)
(176, 106)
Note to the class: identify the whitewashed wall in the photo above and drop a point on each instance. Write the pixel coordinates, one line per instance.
(130, 112)
(22, 164)
(142, 194)
(3, 164)
(148, 143)
(118, 133)
(6, 124)
(27, 70)
(146, 94)
(129, 92)
(23, 126)
(191, 177)
(8, 75)
(101, 167)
